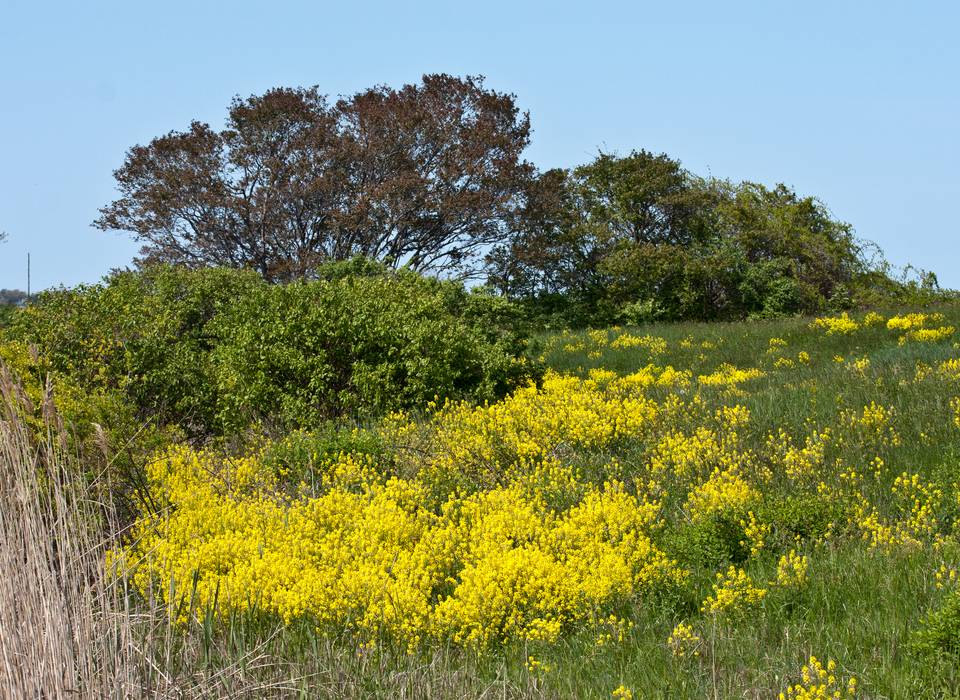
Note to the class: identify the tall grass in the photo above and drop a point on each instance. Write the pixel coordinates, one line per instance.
(64, 628)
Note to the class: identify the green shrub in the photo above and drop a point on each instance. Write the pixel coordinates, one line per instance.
(939, 632)
(302, 353)
(711, 543)
(214, 350)
(145, 334)
(799, 517)
(6, 315)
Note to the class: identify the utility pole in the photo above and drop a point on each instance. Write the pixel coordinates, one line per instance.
(28, 277)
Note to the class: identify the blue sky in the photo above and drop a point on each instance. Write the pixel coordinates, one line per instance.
(855, 102)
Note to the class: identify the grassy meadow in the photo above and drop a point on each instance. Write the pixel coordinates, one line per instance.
(680, 511)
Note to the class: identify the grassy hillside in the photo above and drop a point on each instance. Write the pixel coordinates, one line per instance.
(690, 510)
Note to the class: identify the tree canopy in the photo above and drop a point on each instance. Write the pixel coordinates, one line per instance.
(431, 176)
(633, 238)
(424, 176)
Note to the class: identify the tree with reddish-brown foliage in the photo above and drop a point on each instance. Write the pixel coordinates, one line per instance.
(428, 176)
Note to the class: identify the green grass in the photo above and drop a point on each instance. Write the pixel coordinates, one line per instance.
(860, 607)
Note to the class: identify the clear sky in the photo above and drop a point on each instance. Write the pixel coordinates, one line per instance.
(855, 102)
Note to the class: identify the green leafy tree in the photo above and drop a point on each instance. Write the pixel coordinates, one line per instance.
(638, 238)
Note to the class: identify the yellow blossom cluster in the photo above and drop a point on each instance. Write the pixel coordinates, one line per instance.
(792, 570)
(613, 630)
(872, 425)
(912, 321)
(927, 335)
(775, 345)
(860, 365)
(492, 442)
(537, 667)
(755, 531)
(492, 566)
(819, 683)
(725, 490)
(946, 577)
(684, 641)
(728, 375)
(685, 456)
(917, 502)
(836, 325)
(950, 369)
(734, 591)
(653, 344)
(799, 463)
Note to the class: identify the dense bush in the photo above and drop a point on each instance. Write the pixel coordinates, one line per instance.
(215, 350)
(638, 239)
(10, 299)
(146, 335)
(939, 631)
(304, 352)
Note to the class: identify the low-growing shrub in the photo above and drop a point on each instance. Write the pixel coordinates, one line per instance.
(711, 542)
(800, 517)
(939, 632)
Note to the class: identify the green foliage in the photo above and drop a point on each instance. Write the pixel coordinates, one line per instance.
(357, 266)
(800, 517)
(6, 315)
(301, 455)
(145, 334)
(10, 299)
(939, 632)
(711, 543)
(637, 239)
(215, 350)
(305, 352)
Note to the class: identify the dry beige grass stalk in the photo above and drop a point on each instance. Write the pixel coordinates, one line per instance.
(64, 631)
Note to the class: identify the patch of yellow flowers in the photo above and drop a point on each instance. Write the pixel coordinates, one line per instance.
(917, 502)
(728, 375)
(733, 592)
(725, 490)
(913, 321)
(820, 683)
(684, 641)
(836, 325)
(492, 566)
(653, 344)
(927, 335)
(792, 570)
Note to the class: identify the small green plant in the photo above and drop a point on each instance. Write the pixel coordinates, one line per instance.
(939, 632)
